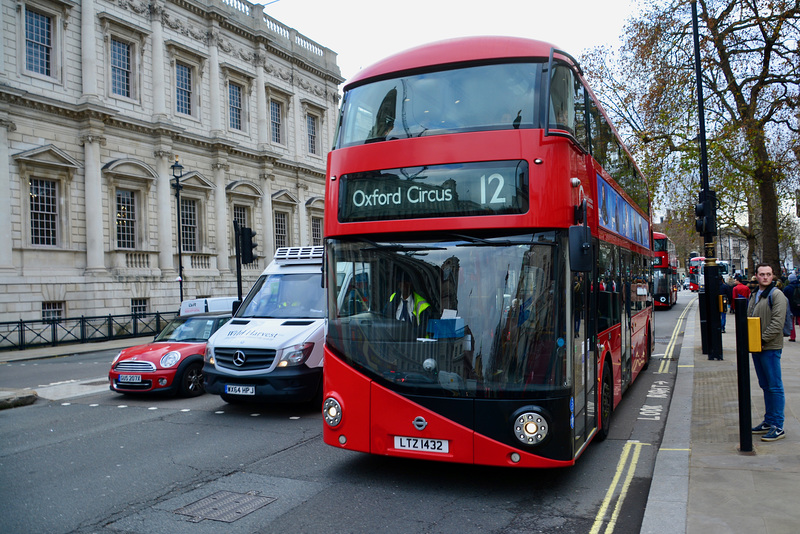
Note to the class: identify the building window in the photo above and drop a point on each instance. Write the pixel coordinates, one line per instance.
(235, 106)
(126, 219)
(281, 229)
(44, 212)
(316, 231)
(240, 215)
(276, 120)
(52, 311)
(38, 42)
(121, 68)
(138, 307)
(188, 225)
(311, 130)
(183, 88)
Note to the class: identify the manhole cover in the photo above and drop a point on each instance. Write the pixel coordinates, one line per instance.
(224, 506)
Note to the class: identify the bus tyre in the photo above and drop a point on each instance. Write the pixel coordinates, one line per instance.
(606, 403)
(647, 353)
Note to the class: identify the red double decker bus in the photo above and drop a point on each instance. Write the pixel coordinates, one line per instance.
(488, 259)
(665, 271)
(695, 270)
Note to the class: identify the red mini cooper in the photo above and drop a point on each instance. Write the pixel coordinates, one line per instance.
(172, 363)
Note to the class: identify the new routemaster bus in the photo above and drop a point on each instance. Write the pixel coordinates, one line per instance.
(695, 264)
(665, 271)
(488, 259)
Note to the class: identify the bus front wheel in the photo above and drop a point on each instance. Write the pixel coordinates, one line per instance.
(606, 403)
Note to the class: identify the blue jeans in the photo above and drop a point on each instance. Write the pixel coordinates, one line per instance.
(768, 371)
(722, 319)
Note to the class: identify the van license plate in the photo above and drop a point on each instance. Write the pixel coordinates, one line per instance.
(240, 390)
(422, 444)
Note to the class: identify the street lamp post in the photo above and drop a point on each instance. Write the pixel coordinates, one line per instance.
(177, 173)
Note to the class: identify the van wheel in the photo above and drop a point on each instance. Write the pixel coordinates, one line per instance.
(606, 403)
(191, 381)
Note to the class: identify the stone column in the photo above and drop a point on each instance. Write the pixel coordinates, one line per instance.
(164, 202)
(6, 244)
(89, 59)
(95, 220)
(218, 102)
(221, 216)
(302, 214)
(262, 106)
(159, 74)
(266, 212)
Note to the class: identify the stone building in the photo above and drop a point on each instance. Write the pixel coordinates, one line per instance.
(97, 100)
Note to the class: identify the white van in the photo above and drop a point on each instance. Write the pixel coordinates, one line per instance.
(209, 305)
(272, 348)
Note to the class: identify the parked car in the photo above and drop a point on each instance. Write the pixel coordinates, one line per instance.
(172, 363)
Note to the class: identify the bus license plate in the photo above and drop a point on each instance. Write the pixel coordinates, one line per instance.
(240, 390)
(422, 444)
(130, 378)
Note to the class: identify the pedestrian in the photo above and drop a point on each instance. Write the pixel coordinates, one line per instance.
(770, 306)
(740, 290)
(725, 293)
(792, 292)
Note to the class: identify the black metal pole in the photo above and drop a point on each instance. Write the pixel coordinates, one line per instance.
(236, 233)
(178, 188)
(713, 323)
(743, 375)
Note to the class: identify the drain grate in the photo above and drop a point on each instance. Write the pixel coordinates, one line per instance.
(225, 506)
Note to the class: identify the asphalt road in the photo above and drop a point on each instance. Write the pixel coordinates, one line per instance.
(103, 462)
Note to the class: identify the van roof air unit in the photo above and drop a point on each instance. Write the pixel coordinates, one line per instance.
(298, 255)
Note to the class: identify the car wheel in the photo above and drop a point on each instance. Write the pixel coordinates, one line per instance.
(606, 403)
(191, 382)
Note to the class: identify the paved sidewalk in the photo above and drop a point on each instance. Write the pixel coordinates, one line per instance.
(700, 475)
(11, 398)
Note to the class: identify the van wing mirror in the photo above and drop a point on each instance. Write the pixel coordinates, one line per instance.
(581, 258)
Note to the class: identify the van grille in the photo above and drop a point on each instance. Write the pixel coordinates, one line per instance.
(254, 358)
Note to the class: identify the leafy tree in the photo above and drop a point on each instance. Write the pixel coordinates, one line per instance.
(750, 75)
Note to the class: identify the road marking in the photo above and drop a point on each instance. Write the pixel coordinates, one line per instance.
(72, 388)
(665, 361)
(623, 488)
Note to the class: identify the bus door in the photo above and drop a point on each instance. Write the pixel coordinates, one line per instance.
(625, 338)
(584, 361)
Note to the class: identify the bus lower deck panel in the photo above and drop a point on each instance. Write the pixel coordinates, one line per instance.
(476, 431)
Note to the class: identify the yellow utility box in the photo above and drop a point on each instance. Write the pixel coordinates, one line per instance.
(754, 334)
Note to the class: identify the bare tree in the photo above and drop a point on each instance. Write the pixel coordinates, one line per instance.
(751, 82)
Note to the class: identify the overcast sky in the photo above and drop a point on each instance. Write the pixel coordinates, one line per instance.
(362, 32)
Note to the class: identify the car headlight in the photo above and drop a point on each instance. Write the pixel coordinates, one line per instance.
(116, 359)
(296, 355)
(170, 358)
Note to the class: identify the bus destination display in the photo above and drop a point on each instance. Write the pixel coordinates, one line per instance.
(466, 189)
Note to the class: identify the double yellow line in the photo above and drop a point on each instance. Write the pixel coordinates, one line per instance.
(667, 358)
(622, 467)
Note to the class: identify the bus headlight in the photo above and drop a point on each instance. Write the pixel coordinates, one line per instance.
(332, 412)
(530, 428)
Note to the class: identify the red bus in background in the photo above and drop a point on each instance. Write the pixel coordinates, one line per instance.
(488, 259)
(695, 270)
(665, 271)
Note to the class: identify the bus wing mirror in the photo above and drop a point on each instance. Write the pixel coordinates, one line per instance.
(580, 248)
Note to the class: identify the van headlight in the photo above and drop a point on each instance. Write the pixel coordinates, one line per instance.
(296, 355)
(208, 355)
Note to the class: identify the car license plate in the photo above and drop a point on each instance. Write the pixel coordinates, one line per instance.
(240, 390)
(130, 378)
(422, 444)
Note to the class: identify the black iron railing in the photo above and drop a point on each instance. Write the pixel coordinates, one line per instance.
(21, 335)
